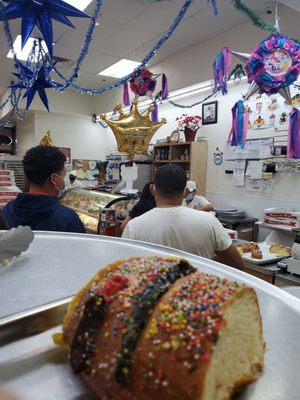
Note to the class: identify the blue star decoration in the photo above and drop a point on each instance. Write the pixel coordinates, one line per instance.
(40, 13)
(39, 84)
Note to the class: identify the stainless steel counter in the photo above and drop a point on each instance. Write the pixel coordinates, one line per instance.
(58, 265)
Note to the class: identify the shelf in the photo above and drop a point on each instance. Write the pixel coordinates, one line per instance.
(274, 227)
(173, 144)
(172, 161)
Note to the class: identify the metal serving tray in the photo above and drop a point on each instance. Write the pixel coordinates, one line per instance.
(35, 369)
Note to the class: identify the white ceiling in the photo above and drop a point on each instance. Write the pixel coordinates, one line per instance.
(129, 29)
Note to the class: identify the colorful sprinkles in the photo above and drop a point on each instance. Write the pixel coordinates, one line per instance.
(190, 316)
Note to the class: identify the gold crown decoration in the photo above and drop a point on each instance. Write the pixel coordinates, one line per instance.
(134, 131)
(47, 140)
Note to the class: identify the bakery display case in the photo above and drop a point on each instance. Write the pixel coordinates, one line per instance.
(89, 203)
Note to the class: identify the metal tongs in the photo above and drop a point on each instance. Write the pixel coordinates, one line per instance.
(15, 242)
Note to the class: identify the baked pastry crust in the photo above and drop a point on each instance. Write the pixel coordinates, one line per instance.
(257, 254)
(199, 325)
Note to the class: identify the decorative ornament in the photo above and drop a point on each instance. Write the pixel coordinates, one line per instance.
(40, 13)
(218, 157)
(133, 132)
(237, 73)
(240, 122)
(222, 67)
(126, 98)
(154, 115)
(294, 135)
(175, 136)
(47, 140)
(143, 83)
(214, 5)
(34, 81)
(274, 65)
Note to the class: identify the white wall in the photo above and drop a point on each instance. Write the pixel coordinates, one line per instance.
(25, 134)
(70, 120)
(86, 140)
(70, 124)
(220, 188)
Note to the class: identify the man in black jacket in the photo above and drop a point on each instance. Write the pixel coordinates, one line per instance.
(40, 208)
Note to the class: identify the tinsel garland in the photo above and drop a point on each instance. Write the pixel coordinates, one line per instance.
(144, 62)
(256, 20)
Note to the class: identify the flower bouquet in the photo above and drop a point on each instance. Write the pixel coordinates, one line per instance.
(189, 125)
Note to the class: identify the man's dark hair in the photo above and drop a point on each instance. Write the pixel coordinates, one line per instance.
(170, 180)
(41, 161)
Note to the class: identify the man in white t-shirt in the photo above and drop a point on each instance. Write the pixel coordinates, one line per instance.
(193, 200)
(171, 224)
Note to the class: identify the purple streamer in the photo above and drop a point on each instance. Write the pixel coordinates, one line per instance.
(222, 66)
(214, 5)
(165, 87)
(155, 113)
(294, 135)
(126, 98)
(240, 121)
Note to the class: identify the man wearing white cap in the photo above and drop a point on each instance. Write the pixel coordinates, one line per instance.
(74, 182)
(193, 200)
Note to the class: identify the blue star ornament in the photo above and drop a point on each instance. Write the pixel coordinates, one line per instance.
(40, 13)
(39, 84)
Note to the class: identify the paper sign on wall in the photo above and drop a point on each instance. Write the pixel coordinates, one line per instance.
(255, 168)
(260, 186)
(239, 173)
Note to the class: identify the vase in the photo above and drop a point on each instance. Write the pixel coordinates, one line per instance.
(189, 134)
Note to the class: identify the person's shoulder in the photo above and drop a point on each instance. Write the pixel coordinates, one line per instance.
(67, 211)
(148, 216)
(199, 215)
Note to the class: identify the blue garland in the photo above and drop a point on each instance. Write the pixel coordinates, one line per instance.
(70, 81)
(146, 59)
(13, 99)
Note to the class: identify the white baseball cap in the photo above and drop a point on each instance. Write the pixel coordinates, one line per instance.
(191, 185)
(74, 173)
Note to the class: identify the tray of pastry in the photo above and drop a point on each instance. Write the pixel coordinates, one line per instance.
(263, 253)
(35, 368)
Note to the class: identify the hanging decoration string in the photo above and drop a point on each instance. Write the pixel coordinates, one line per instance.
(84, 51)
(145, 60)
(256, 20)
(194, 104)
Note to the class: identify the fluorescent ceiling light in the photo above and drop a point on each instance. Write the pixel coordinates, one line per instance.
(80, 4)
(120, 69)
(179, 94)
(23, 54)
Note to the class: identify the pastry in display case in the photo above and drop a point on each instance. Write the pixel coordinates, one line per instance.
(89, 203)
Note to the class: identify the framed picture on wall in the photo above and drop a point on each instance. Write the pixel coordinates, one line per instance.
(210, 113)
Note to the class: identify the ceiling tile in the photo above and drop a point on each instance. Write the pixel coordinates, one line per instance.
(123, 11)
(96, 62)
(126, 40)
